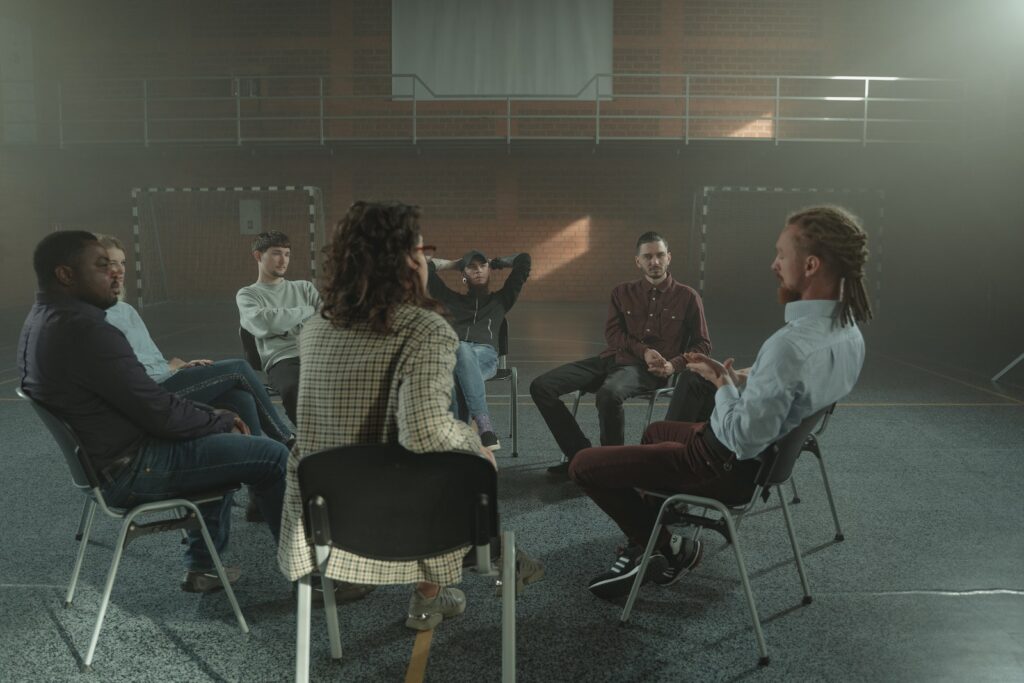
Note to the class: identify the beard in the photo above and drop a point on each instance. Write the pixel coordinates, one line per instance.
(787, 295)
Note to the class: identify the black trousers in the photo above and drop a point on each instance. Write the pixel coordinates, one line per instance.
(693, 400)
(284, 376)
(612, 384)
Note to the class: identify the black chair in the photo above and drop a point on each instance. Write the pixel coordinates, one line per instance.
(386, 503)
(249, 350)
(777, 463)
(84, 477)
(651, 397)
(505, 373)
(252, 356)
(812, 446)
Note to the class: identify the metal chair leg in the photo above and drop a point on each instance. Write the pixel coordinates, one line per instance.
(796, 551)
(650, 412)
(508, 608)
(514, 409)
(831, 502)
(81, 522)
(634, 591)
(107, 588)
(85, 528)
(762, 649)
(796, 496)
(221, 574)
(331, 612)
(305, 598)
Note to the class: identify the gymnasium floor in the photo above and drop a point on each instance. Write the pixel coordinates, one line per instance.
(926, 458)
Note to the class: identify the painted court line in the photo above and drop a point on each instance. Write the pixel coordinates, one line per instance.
(953, 379)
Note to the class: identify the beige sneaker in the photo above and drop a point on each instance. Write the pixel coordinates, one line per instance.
(528, 570)
(426, 613)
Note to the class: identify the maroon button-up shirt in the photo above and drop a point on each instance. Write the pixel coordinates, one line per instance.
(668, 318)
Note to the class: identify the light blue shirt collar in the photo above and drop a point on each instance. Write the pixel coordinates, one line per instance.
(812, 308)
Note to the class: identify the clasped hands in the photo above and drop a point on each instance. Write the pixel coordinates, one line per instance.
(717, 373)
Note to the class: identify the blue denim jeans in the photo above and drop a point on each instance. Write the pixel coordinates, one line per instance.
(231, 384)
(474, 365)
(171, 469)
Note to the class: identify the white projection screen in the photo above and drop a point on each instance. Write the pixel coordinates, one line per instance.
(474, 48)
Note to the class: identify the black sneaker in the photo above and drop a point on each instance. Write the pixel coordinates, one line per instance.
(561, 469)
(208, 581)
(684, 554)
(490, 440)
(618, 581)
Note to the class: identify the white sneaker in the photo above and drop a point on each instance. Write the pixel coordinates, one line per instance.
(426, 613)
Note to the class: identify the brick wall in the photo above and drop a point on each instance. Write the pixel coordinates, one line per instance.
(576, 209)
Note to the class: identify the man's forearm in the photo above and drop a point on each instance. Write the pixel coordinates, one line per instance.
(443, 264)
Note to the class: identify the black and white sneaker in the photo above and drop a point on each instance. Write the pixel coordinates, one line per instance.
(684, 554)
(618, 581)
(490, 440)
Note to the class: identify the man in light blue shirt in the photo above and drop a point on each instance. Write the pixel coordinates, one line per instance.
(810, 363)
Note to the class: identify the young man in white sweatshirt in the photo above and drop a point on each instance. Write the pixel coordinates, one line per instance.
(274, 309)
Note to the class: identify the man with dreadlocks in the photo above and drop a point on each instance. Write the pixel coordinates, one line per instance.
(812, 362)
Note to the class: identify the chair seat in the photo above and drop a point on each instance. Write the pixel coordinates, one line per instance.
(197, 498)
(503, 373)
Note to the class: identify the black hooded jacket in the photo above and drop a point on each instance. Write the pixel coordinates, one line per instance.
(478, 319)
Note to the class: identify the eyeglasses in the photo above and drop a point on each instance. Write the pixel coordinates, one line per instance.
(428, 250)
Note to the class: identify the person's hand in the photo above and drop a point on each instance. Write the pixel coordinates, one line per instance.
(496, 264)
(198, 362)
(176, 364)
(489, 454)
(708, 368)
(238, 426)
(738, 377)
(653, 358)
(665, 370)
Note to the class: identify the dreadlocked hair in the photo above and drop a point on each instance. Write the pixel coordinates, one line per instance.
(834, 235)
(367, 276)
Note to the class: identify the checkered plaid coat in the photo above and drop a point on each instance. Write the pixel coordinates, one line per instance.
(357, 386)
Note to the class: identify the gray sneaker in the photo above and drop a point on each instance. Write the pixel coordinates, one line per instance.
(208, 581)
(426, 613)
(528, 570)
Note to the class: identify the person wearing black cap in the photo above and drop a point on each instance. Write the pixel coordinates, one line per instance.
(477, 316)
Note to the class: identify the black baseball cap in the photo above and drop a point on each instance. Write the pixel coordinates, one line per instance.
(473, 255)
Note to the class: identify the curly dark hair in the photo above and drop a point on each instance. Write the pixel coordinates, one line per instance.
(367, 275)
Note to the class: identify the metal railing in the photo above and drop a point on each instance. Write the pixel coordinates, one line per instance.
(328, 109)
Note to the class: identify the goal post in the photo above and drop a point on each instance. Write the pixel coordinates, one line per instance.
(194, 244)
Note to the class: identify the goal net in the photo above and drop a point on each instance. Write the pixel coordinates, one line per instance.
(194, 244)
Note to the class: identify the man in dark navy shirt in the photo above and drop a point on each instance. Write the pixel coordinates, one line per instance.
(652, 322)
(144, 442)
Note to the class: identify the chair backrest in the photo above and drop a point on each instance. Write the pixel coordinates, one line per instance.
(384, 502)
(778, 460)
(503, 338)
(82, 472)
(824, 421)
(249, 350)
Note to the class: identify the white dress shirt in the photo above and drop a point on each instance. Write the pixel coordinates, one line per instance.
(807, 365)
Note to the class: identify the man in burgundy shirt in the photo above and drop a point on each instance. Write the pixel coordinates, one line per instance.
(652, 322)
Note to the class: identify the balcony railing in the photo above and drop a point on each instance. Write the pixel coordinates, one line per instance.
(324, 110)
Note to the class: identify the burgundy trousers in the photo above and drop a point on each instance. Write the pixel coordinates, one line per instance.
(679, 457)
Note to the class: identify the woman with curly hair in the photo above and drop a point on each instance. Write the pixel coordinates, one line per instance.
(377, 368)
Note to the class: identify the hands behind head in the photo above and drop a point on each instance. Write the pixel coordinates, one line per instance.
(496, 264)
